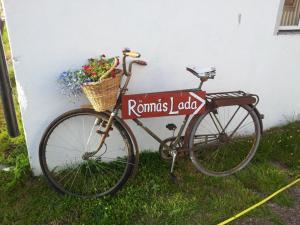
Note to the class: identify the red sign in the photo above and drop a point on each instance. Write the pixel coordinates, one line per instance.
(163, 104)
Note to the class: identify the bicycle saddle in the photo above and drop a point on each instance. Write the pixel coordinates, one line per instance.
(198, 71)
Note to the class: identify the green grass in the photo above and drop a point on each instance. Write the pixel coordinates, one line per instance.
(151, 198)
(282, 145)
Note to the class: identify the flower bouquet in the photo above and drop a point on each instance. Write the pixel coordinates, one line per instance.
(99, 80)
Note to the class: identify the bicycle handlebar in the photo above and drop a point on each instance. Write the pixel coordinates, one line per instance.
(128, 53)
(128, 73)
(140, 62)
(133, 54)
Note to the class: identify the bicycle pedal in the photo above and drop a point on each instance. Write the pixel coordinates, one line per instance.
(171, 126)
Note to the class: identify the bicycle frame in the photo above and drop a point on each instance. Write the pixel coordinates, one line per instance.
(238, 97)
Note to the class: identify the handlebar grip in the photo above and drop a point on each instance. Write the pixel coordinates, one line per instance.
(132, 54)
(141, 62)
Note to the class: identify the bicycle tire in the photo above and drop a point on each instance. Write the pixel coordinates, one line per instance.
(214, 141)
(91, 167)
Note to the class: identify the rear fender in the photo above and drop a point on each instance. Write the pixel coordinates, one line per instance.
(189, 130)
(260, 117)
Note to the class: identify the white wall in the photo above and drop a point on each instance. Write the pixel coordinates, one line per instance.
(50, 36)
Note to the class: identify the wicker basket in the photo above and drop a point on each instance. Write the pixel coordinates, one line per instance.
(103, 93)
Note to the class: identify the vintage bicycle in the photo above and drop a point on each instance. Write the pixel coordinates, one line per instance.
(91, 154)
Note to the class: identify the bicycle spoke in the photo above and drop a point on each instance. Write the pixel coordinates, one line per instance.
(121, 161)
(239, 125)
(64, 141)
(62, 147)
(90, 134)
(67, 175)
(108, 170)
(91, 174)
(70, 133)
(214, 123)
(77, 171)
(85, 181)
(105, 175)
(243, 127)
(218, 121)
(231, 118)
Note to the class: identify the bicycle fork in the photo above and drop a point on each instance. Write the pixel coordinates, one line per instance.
(87, 155)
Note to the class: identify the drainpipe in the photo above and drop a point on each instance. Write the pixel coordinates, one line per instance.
(6, 95)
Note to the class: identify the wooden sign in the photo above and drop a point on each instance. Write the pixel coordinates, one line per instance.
(163, 104)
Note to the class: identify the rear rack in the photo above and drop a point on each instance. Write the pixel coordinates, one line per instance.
(214, 97)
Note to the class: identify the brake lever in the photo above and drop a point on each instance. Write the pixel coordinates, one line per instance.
(140, 62)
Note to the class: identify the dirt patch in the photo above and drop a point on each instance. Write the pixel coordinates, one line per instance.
(253, 221)
(288, 215)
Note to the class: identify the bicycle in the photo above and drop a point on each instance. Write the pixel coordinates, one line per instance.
(91, 154)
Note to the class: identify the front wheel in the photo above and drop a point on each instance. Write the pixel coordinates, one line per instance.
(224, 140)
(65, 143)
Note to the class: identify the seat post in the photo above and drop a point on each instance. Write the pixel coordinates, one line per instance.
(202, 80)
(200, 85)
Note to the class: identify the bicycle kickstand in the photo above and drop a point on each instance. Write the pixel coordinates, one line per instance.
(172, 175)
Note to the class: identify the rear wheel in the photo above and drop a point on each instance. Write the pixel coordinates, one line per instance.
(224, 140)
(73, 134)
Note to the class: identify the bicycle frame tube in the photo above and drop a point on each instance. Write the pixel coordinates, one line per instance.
(186, 118)
(152, 134)
(117, 107)
(236, 99)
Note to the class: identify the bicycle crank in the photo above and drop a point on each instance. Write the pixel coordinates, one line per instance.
(172, 175)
